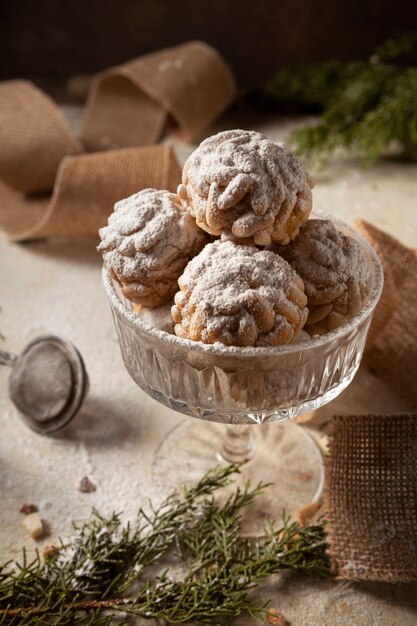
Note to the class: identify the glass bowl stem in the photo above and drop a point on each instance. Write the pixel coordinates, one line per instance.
(238, 444)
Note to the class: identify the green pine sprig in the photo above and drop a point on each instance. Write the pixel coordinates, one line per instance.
(366, 105)
(104, 572)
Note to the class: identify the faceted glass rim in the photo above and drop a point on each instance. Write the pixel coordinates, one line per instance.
(273, 351)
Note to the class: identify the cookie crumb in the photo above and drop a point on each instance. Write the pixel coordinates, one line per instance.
(275, 618)
(86, 486)
(307, 513)
(34, 525)
(27, 508)
(50, 550)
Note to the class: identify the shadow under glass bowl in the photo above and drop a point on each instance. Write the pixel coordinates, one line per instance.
(244, 385)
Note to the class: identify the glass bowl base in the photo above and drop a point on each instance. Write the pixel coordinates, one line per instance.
(283, 454)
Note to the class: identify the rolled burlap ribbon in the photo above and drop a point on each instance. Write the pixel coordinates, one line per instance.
(371, 497)
(85, 190)
(34, 138)
(128, 106)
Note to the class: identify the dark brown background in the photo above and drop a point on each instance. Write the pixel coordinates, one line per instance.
(57, 38)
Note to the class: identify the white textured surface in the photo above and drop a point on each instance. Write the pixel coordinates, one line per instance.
(56, 287)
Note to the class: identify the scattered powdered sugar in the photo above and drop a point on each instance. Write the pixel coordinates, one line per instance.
(335, 272)
(147, 243)
(241, 185)
(168, 64)
(239, 295)
(304, 337)
(157, 317)
(86, 569)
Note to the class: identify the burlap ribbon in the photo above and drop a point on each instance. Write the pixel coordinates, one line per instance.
(128, 106)
(371, 497)
(391, 350)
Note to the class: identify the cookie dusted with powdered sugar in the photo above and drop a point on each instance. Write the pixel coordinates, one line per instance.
(335, 273)
(241, 185)
(239, 296)
(148, 241)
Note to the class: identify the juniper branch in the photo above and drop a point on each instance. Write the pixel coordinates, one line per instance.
(366, 105)
(222, 564)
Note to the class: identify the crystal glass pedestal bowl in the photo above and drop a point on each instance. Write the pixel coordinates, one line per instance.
(231, 389)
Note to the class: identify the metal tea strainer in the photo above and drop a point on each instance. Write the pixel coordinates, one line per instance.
(48, 382)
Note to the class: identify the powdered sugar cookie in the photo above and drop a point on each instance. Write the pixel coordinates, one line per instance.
(335, 273)
(239, 296)
(241, 185)
(148, 241)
